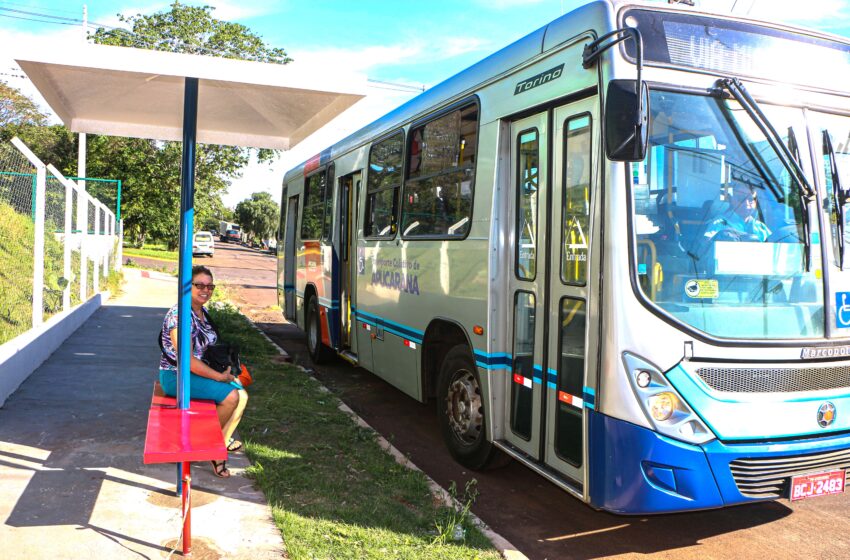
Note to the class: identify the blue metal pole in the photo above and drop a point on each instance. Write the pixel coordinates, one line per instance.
(187, 219)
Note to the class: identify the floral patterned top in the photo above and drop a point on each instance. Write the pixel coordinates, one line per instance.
(203, 335)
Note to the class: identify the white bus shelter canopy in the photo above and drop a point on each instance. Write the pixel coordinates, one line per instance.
(121, 91)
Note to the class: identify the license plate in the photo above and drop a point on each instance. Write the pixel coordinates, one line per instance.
(818, 484)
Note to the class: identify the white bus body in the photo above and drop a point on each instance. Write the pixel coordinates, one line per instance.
(621, 327)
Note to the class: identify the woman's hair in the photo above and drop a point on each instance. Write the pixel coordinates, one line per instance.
(201, 269)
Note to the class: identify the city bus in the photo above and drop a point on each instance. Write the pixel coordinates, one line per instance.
(614, 251)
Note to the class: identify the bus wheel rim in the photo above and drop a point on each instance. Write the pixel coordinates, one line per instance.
(464, 407)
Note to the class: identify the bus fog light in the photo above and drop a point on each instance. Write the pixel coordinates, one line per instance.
(643, 378)
(662, 406)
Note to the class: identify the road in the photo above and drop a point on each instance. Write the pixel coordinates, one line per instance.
(541, 520)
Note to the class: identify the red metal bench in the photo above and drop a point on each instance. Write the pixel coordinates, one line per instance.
(183, 436)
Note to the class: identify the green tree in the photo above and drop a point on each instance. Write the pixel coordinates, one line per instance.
(21, 117)
(258, 216)
(151, 170)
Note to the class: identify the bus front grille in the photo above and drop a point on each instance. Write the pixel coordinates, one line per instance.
(775, 380)
(768, 477)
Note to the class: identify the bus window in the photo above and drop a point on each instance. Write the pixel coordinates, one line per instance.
(528, 154)
(329, 202)
(385, 159)
(440, 172)
(576, 201)
(523, 365)
(568, 422)
(314, 206)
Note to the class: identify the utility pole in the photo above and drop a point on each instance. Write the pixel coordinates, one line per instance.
(82, 206)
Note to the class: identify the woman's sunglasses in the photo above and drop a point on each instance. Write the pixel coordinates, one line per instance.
(201, 286)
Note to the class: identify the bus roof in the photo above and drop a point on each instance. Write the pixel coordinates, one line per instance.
(599, 15)
(554, 33)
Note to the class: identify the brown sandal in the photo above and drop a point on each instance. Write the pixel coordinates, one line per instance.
(220, 469)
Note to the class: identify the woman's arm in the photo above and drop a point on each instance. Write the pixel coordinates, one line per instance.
(200, 368)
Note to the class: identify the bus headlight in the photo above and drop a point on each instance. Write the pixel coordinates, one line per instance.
(666, 411)
(662, 406)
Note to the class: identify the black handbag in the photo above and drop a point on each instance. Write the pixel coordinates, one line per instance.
(221, 356)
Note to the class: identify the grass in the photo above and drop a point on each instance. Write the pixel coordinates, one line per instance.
(17, 233)
(333, 491)
(151, 251)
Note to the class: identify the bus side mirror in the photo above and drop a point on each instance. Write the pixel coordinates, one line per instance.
(626, 121)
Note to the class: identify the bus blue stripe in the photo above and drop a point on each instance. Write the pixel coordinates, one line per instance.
(388, 323)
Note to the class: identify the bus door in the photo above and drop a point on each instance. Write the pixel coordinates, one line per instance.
(349, 186)
(549, 290)
(289, 260)
(571, 350)
(529, 164)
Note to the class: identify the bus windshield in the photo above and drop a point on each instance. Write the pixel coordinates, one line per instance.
(719, 225)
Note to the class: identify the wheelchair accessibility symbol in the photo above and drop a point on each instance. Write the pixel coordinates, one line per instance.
(842, 310)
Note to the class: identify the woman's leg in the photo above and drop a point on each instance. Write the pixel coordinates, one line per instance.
(231, 424)
(226, 407)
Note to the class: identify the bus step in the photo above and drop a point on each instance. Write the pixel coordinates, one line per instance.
(349, 357)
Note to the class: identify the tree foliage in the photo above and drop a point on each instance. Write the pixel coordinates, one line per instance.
(191, 30)
(152, 169)
(21, 117)
(258, 215)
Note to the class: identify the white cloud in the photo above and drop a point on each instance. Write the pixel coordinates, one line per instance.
(355, 60)
(368, 58)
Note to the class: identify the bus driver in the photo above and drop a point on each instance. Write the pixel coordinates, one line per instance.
(741, 219)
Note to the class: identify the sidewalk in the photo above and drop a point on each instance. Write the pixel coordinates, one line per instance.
(71, 443)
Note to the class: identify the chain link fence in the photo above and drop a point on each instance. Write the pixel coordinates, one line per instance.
(17, 236)
(57, 242)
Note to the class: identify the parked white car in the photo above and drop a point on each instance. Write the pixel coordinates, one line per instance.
(203, 244)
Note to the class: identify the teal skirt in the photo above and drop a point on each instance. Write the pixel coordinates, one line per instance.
(199, 387)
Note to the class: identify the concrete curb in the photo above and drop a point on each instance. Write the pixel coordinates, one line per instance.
(505, 548)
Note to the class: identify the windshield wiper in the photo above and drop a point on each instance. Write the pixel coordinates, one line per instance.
(807, 193)
(839, 195)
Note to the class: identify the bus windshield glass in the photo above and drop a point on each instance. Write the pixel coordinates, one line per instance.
(718, 222)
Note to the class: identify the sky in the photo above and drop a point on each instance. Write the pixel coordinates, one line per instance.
(411, 45)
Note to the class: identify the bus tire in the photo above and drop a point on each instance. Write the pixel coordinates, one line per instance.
(319, 353)
(460, 410)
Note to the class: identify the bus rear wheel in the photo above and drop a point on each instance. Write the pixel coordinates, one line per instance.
(319, 353)
(460, 410)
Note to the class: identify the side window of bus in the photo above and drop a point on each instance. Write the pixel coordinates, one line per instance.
(528, 156)
(314, 205)
(438, 191)
(383, 182)
(576, 204)
(329, 201)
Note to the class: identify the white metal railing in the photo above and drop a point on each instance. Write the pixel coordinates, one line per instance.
(75, 238)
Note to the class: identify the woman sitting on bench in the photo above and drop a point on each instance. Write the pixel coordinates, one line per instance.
(204, 381)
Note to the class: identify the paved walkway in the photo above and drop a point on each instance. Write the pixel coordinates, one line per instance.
(71, 441)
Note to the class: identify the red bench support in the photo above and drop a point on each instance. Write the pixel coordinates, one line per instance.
(181, 436)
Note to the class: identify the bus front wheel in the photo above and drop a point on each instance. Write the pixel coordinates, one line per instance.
(460, 409)
(319, 353)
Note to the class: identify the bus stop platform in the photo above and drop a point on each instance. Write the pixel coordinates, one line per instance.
(71, 445)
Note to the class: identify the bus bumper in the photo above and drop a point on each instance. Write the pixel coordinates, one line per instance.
(634, 470)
